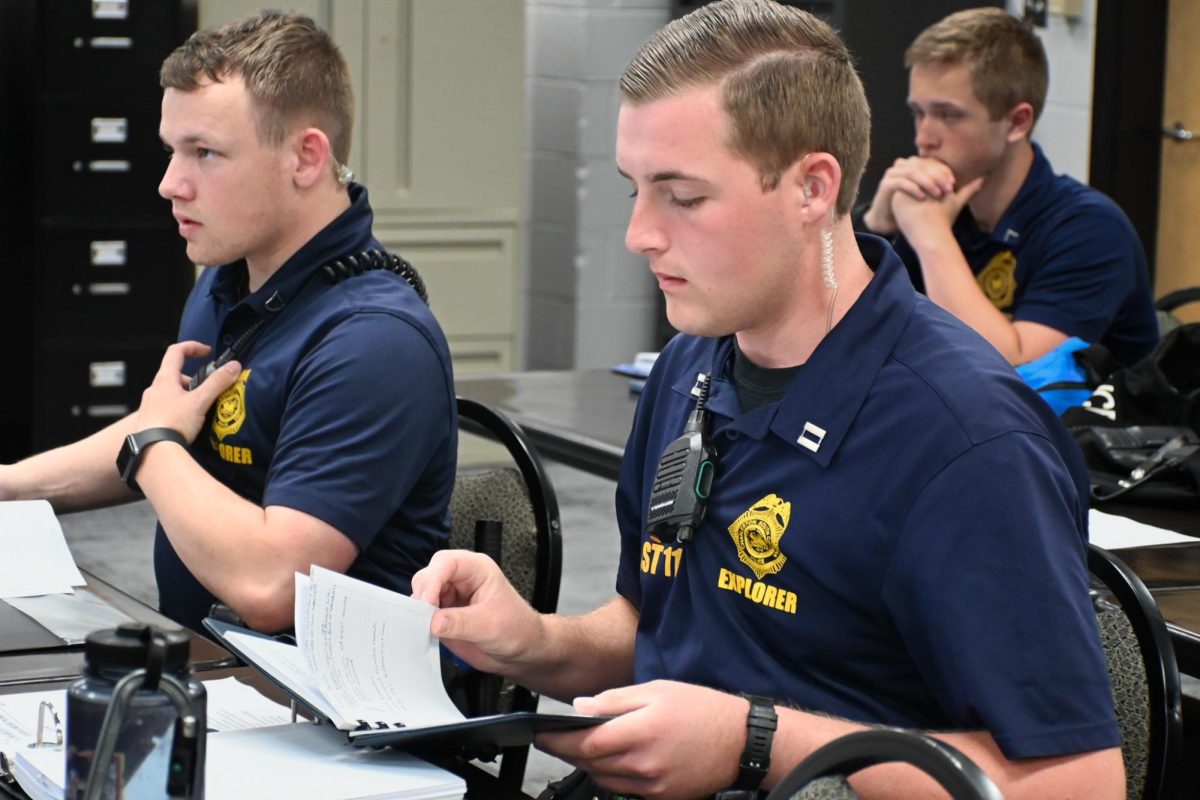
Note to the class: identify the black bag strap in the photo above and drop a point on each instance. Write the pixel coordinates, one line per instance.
(1171, 454)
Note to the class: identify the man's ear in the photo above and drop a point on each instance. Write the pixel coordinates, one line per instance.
(1020, 121)
(312, 152)
(816, 180)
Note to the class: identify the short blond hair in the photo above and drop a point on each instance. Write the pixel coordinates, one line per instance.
(293, 72)
(1006, 58)
(787, 81)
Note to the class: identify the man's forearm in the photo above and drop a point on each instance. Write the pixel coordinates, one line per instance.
(582, 655)
(950, 283)
(244, 554)
(74, 477)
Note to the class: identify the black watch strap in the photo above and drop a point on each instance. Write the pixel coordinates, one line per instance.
(756, 758)
(130, 457)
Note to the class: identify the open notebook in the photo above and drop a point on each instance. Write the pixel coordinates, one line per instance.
(365, 661)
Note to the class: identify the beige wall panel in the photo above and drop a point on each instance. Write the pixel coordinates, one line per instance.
(443, 98)
(215, 12)
(467, 271)
(438, 138)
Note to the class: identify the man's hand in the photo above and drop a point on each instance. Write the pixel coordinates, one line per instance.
(670, 740)
(481, 618)
(915, 177)
(167, 403)
(918, 219)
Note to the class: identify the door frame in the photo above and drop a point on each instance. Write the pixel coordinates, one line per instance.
(1127, 110)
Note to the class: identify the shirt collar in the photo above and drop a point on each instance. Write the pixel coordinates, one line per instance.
(1024, 207)
(349, 232)
(816, 412)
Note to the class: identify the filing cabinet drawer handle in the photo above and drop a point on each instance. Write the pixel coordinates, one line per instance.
(107, 411)
(110, 42)
(108, 289)
(106, 165)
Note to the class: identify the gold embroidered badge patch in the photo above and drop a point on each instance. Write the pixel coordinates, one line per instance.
(757, 532)
(998, 279)
(231, 408)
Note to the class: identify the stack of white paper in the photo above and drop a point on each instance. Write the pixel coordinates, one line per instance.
(36, 559)
(1114, 532)
(317, 763)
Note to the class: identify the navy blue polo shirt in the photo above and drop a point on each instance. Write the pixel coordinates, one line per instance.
(345, 409)
(899, 540)
(1065, 256)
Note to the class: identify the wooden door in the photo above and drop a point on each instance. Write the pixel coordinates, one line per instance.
(1178, 243)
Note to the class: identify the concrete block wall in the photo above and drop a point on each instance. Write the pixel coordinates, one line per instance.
(1065, 129)
(590, 303)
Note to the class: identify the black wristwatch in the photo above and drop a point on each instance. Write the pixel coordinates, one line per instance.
(130, 457)
(756, 758)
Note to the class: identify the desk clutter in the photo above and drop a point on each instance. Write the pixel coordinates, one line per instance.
(45, 600)
(253, 748)
(366, 662)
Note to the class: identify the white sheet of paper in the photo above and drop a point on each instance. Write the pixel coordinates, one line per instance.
(305, 760)
(234, 706)
(36, 559)
(1114, 532)
(284, 663)
(375, 657)
(71, 617)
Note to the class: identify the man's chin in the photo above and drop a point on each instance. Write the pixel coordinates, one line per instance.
(706, 328)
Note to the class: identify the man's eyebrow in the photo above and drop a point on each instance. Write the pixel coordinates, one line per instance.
(191, 138)
(667, 175)
(936, 105)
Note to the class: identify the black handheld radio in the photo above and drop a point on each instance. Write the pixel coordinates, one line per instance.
(684, 476)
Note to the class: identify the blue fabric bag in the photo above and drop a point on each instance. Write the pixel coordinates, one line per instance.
(1059, 377)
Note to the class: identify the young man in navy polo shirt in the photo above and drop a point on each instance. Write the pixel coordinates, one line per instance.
(330, 438)
(893, 533)
(1025, 257)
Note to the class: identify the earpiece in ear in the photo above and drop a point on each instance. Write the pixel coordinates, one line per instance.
(807, 191)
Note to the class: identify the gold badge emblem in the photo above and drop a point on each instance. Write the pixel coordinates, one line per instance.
(757, 532)
(231, 408)
(998, 279)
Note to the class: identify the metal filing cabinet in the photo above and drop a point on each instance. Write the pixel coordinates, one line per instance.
(103, 272)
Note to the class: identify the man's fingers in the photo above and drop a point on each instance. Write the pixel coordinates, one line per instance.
(969, 190)
(208, 392)
(176, 354)
(456, 570)
(910, 188)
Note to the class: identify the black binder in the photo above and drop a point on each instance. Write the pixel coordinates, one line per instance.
(469, 735)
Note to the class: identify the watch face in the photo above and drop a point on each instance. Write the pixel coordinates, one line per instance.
(125, 458)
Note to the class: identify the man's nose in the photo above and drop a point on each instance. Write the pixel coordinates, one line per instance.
(926, 135)
(172, 183)
(644, 233)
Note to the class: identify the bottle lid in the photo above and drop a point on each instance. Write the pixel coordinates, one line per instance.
(128, 646)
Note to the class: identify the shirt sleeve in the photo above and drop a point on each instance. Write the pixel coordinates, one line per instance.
(991, 597)
(368, 408)
(1088, 269)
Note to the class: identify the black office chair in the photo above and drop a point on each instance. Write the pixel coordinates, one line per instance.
(1165, 307)
(520, 497)
(1144, 675)
(822, 776)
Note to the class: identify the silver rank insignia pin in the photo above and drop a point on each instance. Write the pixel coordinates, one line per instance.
(811, 437)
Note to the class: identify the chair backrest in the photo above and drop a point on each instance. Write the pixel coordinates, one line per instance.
(1144, 676)
(518, 495)
(822, 775)
(1165, 307)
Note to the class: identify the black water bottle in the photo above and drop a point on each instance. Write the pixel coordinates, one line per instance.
(139, 715)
